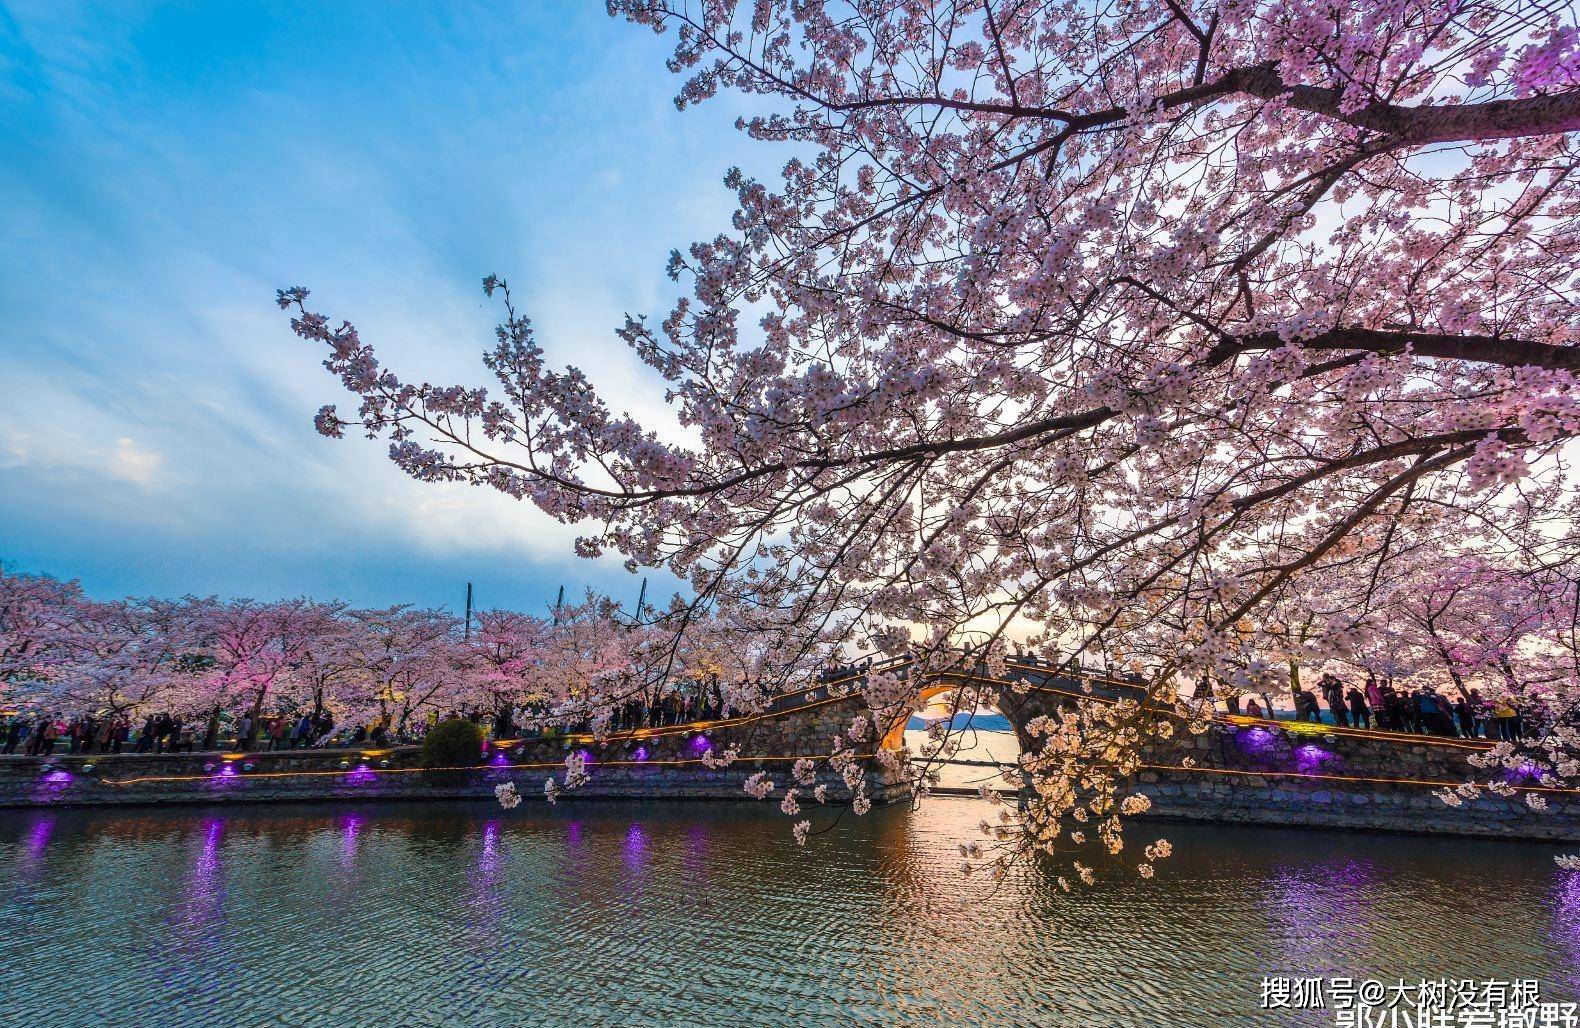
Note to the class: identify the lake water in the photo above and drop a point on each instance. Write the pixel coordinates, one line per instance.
(621, 913)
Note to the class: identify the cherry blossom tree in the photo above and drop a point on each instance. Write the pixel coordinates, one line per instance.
(322, 656)
(1468, 621)
(406, 663)
(40, 617)
(503, 656)
(249, 647)
(123, 658)
(1114, 323)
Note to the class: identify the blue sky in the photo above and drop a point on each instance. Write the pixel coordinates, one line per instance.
(168, 166)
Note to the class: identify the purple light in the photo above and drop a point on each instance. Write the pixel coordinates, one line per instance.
(1310, 758)
(1259, 741)
(586, 756)
(360, 775)
(1527, 771)
(700, 744)
(57, 777)
(228, 771)
(640, 753)
(500, 760)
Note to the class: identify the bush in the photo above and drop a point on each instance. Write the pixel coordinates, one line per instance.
(453, 743)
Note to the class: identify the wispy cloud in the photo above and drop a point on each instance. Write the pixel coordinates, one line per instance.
(169, 167)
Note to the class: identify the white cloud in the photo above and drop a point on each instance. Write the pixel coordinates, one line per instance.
(73, 437)
(133, 463)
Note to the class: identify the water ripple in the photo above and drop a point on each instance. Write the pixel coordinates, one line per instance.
(638, 914)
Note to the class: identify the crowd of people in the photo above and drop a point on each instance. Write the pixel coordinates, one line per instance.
(1378, 704)
(47, 734)
(54, 733)
(1424, 710)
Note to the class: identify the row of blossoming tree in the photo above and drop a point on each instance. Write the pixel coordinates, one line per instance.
(1201, 336)
(62, 652)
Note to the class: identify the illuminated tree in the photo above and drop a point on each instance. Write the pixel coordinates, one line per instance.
(40, 617)
(405, 663)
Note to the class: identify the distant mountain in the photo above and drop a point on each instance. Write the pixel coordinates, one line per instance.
(980, 721)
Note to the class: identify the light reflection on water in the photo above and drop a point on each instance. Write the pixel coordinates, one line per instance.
(707, 914)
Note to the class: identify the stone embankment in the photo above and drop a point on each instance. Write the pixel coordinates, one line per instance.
(1253, 771)
(665, 762)
(1243, 770)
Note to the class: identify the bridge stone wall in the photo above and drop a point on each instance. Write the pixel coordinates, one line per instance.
(665, 765)
(1272, 773)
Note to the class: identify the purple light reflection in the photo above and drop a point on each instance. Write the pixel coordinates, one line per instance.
(1566, 917)
(487, 907)
(36, 841)
(38, 836)
(201, 913)
(1321, 913)
(488, 859)
(634, 850)
(213, 831)
(350, 830)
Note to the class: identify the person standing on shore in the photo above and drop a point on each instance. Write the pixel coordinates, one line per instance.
(1466, 718)
(1376, 702)
(1333, 692)
(1360, 714)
